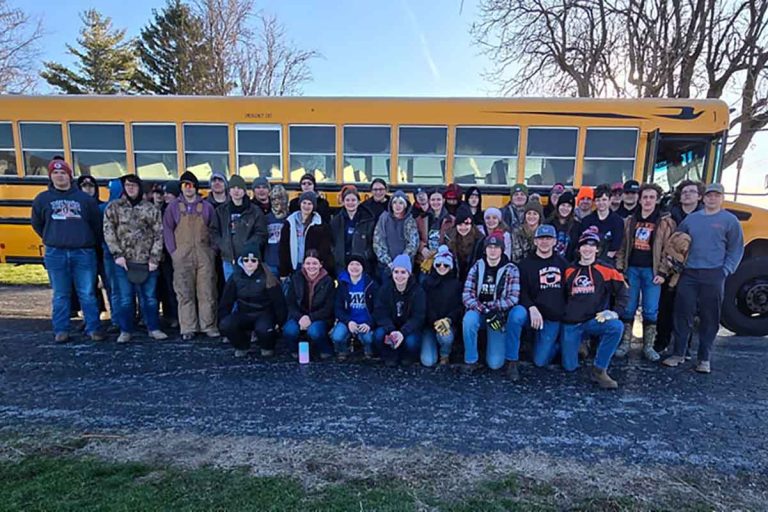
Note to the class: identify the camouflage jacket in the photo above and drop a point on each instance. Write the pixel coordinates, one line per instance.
(134, 232)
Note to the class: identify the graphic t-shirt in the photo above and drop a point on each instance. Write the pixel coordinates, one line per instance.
(642, 247)
(358, 310)
(488, 286)
(233, 218)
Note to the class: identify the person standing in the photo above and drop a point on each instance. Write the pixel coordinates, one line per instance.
(610, 226)
(585, 200)
(432, 229)
(554, 195)
(310, 306)
(463, 239)
(494, 222)
(167, 294)
(420, 203)
(186, 230)
(309, 184)
(90, 186)
(69, 223)
(218, 194)
(355, 299)
(629, 199)
(396, 233)
(492, 289)
(303, 231)
(133, 231)
(452, 196)
(278, 200)
(567, 226)
(513, 213)
(237, 223)
(261, 195)
(617, 190)
(522, 235)
(443, 294)
(378, 203)
(399, 312)
(717, 246)
(646, 233)
(260, 304)
(352, 230)
(590, 287)
(542, 301)
(474, 200)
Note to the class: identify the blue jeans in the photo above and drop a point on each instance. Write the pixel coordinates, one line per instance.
(67, 268)
(545, 343)
(114, 298)
(317, 335)
(340, 336)
(430, 341)
(640, 280)
(127, 293)
(408, 348)
(496, 348)
(228, 269)
(608, 332)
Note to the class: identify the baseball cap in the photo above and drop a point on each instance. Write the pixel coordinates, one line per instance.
(519, 187)
(617, 187)
(589, 236)
(495, 239)
(714, 187)
(632, 186)
(544, 231)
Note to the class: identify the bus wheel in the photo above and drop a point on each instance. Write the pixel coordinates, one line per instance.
(745, 305)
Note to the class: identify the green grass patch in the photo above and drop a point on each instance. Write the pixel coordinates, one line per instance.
(23, 275)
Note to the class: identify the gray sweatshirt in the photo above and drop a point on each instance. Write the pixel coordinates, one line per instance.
(717, 241)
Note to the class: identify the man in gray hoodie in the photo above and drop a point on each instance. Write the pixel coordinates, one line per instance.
(395, 233)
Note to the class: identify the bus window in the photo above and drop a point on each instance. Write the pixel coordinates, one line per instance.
(678, 159)
(366, 153)
(206, 149)
(551, 156)
(421, 154)
(313, 151)
(40, 142)
(486, 155)
(258, 151)
(609, 155)
(98, 150)
(154, 151)
(7, 153)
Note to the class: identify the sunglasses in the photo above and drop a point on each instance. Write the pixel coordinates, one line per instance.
(88, 184)
(467, 222)
(442, 265)
(187, 184)
(250, 259)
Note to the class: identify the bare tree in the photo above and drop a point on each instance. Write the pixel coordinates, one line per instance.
(19, 50)
(269, 65)
(634, 48)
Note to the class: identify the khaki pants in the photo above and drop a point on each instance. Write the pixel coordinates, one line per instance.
(195, 285)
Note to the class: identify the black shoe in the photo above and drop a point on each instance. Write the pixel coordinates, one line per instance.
(390, 363)
(187, 336)
(512, 372)
(469, 369)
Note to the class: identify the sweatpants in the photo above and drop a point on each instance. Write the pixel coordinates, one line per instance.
(699, 291)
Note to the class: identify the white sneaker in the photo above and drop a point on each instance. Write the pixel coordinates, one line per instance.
(213, 333)
(124, 337)
(158, 335)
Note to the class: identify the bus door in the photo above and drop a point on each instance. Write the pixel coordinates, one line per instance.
(677, 158)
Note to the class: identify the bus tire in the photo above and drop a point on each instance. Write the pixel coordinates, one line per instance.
(745, 302)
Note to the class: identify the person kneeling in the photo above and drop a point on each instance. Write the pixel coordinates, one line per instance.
(491, 291)
(399, 312)
(260, 304)
(443, 293)
(591, 285)
(310, 306)
(355, 298)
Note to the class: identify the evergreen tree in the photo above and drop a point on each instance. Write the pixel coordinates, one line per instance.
(173, 54)
(106, 63)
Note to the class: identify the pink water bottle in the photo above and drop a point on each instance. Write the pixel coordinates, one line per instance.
(303, 352)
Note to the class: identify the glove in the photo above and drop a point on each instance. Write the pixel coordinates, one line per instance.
(495, 322)
(442, 326)
(606, 315)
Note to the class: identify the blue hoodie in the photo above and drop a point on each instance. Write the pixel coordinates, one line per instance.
(354, 302)
(67, 219)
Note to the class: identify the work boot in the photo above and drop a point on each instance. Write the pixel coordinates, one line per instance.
(187, 336)
(602, 379)
(673, 361)
(212, 333)
(469, 368)
(158, 335)
(703, 367)
(622, 350)
(124, 337)
(61, 337)
(98, 336)
(649, 337)
(342, 356)
(445, 360)
(265, 352)
(239, 353)
(512, 372)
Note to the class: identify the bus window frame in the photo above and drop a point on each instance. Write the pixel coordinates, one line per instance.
(228, 153)
(72, 149)
(388, 154)
(63, 152)
(517, 157)
(162, 152)
(577, 169)
(260, 127)
(448, 168)
(12, 149)
(585, 159)
(335, 153)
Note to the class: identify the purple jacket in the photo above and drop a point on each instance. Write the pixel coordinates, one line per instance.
(173, 215)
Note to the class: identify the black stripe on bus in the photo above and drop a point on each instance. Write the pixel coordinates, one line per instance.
(601, 115)
(16, 202)
(15, 221)
(22, 260)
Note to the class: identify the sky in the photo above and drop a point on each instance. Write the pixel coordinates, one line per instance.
(368, 47)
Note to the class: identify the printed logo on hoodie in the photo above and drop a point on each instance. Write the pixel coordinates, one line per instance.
(550, 278)
(583, 284)
(63, 209)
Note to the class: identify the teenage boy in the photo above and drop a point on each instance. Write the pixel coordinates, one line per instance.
(309, 184)
(542, 300)
(513, 213)
(492, 289)
(717, 246)
(261, 190)
(610, 226)
(378, 203)
(590, 286)
(645, 235)
(629, 199)
(218, 194)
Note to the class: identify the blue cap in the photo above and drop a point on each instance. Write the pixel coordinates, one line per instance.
(545, 230)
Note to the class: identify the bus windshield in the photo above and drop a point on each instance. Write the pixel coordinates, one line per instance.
(680, 158)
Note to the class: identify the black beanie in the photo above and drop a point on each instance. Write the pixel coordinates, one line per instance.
(463, 213)
(190, 177)
(358, 258)
(250, 248)
(566, 197)
(172, 187)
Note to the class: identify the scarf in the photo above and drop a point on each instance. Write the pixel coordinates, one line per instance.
(294, 220)
(311, 284)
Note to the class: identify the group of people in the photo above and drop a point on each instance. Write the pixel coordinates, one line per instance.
(403, 280)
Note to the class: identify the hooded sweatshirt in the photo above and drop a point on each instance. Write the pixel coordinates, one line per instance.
(67, 219)
(115, 188)
(477, 217)
(355, 301)
(542, 284)
(443, 295)
(589, 289)
(315, 299)
(210, 197)
(400, 311)
(394, 236)
(256, 294)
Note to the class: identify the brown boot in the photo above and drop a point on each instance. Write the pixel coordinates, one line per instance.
(444, 360)
(622, 350)
(602, 379)
(649, 337)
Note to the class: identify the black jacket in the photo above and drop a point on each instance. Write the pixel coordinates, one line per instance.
(323, 208)
(376, 208)
(589, 290)
(258, 293)
(250, 227)
(542, 284)
(322, 300)
(443, 294)
(414, 305)
(362, 239)
(318, 237)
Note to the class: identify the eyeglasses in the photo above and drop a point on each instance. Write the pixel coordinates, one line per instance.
(442, 265)
(378, 189)
(250, 259)
(88, 184)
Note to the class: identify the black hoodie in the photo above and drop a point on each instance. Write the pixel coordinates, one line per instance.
(589, 291)
(477, 217)
(542, 284)
(411, 305)
(443, 294)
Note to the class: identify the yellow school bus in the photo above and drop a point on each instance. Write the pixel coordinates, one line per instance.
(409, 142)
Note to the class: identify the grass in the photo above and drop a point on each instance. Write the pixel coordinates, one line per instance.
(63, 483)
(23, 275)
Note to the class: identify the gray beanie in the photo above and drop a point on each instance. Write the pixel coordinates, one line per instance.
(308, 196)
